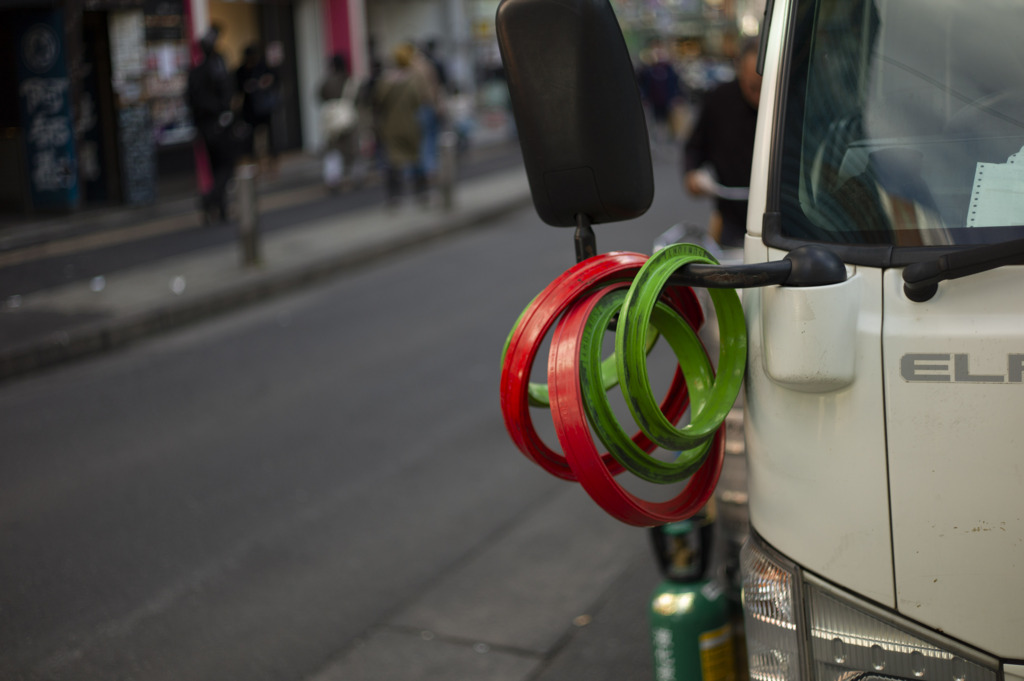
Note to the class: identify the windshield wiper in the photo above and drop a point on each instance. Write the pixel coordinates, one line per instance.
(921, 280)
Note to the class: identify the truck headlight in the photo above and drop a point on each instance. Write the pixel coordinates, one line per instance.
(800, 628)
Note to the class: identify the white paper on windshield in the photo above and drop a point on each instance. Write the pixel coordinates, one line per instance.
(997, 198)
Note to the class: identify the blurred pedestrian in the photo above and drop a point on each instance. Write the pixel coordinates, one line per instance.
(431, 109)
(364, 100)
(430, 52)
(338, 94)
(461, 110)
(261, 95)
(209, 96)
(398, 96)
(661, 90)
(722, 143)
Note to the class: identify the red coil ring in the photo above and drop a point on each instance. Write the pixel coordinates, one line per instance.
(533, 325)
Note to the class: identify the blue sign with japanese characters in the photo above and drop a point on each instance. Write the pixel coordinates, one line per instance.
(44, 94)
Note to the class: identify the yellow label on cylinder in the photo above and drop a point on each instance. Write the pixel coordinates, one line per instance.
(716, 658)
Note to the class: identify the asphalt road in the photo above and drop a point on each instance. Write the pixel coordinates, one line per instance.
(251, 497)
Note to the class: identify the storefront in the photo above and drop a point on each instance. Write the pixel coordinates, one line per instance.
(99, 103)
(95, 111)
(168, 41)
(37, 122)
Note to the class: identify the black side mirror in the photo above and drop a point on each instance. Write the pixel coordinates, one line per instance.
(577, 108)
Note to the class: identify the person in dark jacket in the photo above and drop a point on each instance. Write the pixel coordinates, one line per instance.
(723, 141)
(209, 96)
(260, 97)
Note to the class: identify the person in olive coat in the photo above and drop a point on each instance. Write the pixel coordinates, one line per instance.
(397, 97)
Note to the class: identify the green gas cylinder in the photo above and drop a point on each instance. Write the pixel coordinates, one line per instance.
(691, 630)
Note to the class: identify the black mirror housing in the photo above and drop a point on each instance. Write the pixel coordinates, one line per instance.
(577, 108)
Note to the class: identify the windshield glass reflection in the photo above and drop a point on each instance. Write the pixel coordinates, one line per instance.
(905, 123)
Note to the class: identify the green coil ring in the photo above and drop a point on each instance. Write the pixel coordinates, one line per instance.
(631, 334)
(694, 362)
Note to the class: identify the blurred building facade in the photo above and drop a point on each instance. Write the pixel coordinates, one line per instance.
(714, 25)
(93, 106)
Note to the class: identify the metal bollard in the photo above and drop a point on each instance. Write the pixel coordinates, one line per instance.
(248, 215)
(447, 167)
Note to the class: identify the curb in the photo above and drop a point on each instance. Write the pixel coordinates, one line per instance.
(93, 338)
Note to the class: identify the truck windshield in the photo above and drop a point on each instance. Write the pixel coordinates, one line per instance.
(905, 123)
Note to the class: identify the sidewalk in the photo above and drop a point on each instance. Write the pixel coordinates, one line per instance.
(175, 197)
(564, 595)
(55, 325)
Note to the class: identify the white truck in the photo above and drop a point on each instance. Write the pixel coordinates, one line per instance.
(884, 408)
(883, 420)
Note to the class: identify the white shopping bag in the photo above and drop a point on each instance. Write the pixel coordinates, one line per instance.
(334, 166)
